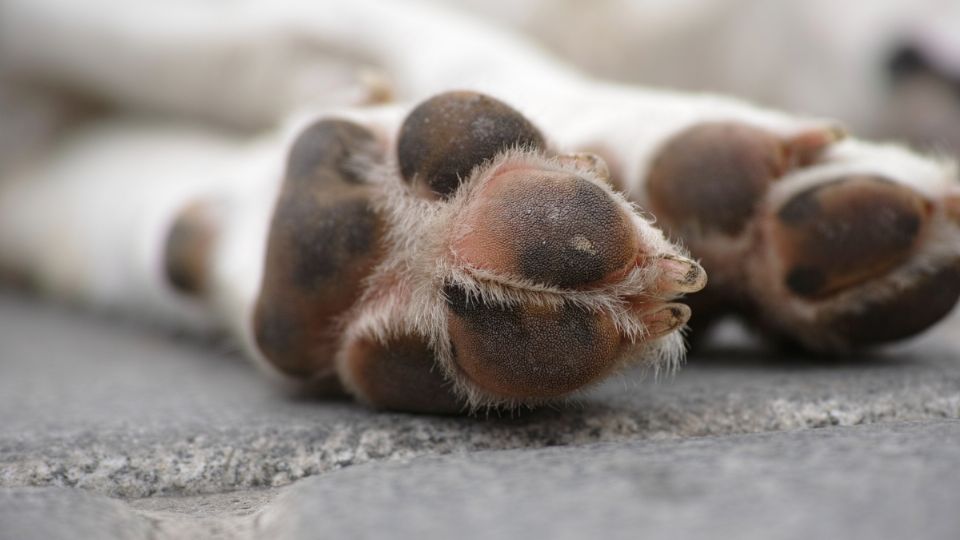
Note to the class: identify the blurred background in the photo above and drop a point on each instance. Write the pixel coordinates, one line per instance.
(887, 68)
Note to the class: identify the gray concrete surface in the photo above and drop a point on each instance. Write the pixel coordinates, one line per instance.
(878, 481)
(171, 438)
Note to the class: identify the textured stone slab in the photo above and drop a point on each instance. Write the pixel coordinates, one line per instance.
(61, 513)
(869, 482)
(880, 481)
(112, 407)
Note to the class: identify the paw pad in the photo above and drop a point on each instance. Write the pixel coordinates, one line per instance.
(552, 228)
(362, 287)
(711, 177)
(448, 135)
(400, 374)
(914, 308)
(529, 351)
(188, 249)
(845, 232)
(324, 240)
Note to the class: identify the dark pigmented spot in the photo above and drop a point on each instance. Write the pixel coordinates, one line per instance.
(401, 374)
(910, 311)
(711, 177)
(802, 207)
(330, 236)
(448, 135)
(845, 232)
(806, 280)
(324, 240)
(529, 352)
(907, 224)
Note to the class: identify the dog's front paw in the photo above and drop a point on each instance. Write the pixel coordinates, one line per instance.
(477, 268)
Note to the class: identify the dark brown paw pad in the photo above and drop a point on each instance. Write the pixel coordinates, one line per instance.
(551, 228)
(711, 177)
(330, 151)
(529, 352)
(189, 246)
(324, 240)
(843, 233)
(912, 309)
(445, 137)
(401, 374)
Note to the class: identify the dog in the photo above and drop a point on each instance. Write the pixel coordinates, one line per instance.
(447, 219)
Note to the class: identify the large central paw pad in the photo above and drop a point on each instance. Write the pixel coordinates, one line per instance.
(573, 233)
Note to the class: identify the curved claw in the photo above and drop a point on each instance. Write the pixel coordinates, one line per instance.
(665, 319)
(681, 275)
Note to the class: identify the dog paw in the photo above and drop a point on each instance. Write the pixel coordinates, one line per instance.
(468, 265)
(832, 243)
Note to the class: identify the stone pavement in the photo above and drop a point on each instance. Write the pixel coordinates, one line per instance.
(110, 430)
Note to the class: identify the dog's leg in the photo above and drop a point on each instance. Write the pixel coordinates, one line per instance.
(380, 247)
(253, 64)
(245, 65)
(91, 221)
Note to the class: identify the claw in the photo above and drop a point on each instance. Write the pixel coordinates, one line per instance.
(666, 319)
(681, 275)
